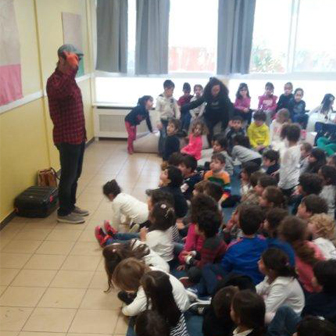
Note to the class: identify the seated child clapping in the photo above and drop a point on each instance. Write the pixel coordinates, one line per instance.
(322, 228)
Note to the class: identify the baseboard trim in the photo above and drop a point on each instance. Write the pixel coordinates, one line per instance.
(11, 216)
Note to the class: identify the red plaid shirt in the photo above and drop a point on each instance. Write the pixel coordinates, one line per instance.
(66, 108)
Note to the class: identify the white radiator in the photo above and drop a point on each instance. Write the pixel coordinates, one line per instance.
(109, 122)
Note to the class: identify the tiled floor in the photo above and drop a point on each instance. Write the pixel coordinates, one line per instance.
(52, 278)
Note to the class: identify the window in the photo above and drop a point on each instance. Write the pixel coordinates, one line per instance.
(271, 30)
(315, 48)
(193, 28)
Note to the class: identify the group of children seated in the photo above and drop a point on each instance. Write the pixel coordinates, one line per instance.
(269, 268)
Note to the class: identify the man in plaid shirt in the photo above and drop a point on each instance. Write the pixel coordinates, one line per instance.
(67, 114)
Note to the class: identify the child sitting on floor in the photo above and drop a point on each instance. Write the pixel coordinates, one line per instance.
(267, 102)
(316, 159)
(163, 296)
(328, 192)
(248, 313)
(251, 197)
(219, 175)
(258, 132)
(279, 286)
(248, 169)
(126, 208)
(294, 231)
(197, 112)
(271, 162)
(285, 97)
(272, 197)
(219, 147)
(171, 180)
(322, 229)
(190, 175)
(282, 118)
(306, 149)
(194, 147)
(127, 278)
(243, 152)
(311, 205)
(171, 143)
(264, 181)
(213, 248)
(235, 128)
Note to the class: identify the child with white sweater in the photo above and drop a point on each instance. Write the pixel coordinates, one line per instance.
(322, 228)
(280, 286)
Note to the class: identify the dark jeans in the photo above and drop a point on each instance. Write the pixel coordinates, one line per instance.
(301, 119)
(211, 125)
(211, 274)
(163, 135)
(185, 121)
(247, 116)
(71, 158)
(121, 238)
(284, 322)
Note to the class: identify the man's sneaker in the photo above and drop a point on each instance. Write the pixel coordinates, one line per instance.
(80, 212)
(101, 237)
(109, 229)
(71, 219)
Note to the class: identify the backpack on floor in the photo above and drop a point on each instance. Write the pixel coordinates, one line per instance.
(36, 202)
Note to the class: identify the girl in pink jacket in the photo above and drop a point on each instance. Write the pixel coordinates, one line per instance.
(194, 147)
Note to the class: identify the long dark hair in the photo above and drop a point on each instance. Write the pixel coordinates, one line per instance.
(242, 86)
(115, 253)
(321, 160)
(326, 102)
(162, 216)
(223, 93)
(159, 292)
(278, 261)
(294, 231)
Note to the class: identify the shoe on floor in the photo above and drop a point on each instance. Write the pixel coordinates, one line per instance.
(101, 236)
(71, 219)
(109, 229)
(80, 212)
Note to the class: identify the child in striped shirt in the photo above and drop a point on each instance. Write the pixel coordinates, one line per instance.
(218, 175)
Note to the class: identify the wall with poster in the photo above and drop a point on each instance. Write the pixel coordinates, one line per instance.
(25, 128)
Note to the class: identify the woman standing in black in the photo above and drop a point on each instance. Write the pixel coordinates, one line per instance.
(218, 106)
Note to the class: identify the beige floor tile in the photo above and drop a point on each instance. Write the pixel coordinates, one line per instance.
(122, 325)
(99, 281)
(87, 236)
(22, 246)
(50, 320)
(81, 263)
(72, 279)
(2, 289)
(7, 276)
(62, 298)
(41, 225)
(13, 260)
(45, 262)
(98, 299)
(33, 278)
(94, 321)
(33, 333)
(12, 318)
(64, 226)
(86, 249)
(4, 243)
(64, 235)
(55, 247)
(32, 234)
(21, 296)
(75, 334)
(9, 333)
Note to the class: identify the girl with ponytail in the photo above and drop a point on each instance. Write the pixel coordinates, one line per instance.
(134, 118)
(295, 231)
(280, 286)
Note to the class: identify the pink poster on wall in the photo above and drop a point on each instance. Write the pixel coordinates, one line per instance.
(10, 66)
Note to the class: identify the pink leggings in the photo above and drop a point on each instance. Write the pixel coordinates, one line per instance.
(131, 130)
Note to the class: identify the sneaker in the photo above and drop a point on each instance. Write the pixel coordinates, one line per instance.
(109, 229)
(101, 236)
(71, 219)
(134, 228)
(80, 212)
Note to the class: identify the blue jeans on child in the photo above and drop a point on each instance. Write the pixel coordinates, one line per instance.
(284, 322)
(121, 238)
